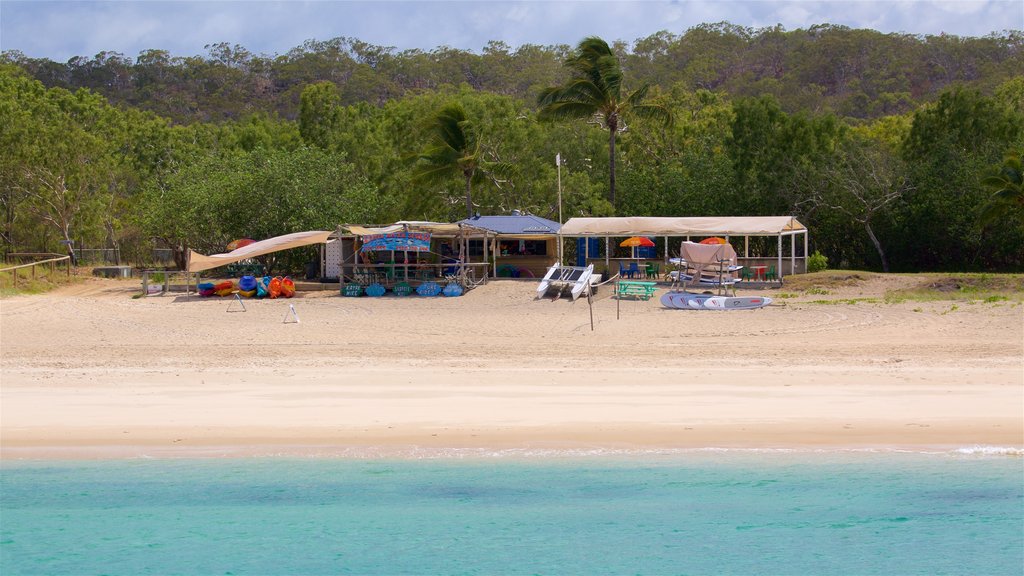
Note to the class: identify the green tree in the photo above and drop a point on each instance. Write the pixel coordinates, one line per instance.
(1006, 183)
(319, 114)
(863, 181)
(258, 194)
(455, 149)
(595, 91)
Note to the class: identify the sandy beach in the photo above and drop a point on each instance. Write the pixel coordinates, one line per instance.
(89, 372)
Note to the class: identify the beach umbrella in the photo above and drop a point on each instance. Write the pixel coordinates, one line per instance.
(713, 240)
(236, 244)
(634, 241)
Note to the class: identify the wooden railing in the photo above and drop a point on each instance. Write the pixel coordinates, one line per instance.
(52, 262)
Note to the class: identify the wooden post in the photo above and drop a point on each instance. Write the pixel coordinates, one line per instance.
(618, 299)
(590, 304)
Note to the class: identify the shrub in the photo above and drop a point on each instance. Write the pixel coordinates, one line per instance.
(817, 262)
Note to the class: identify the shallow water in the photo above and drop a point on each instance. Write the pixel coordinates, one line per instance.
(773, 512)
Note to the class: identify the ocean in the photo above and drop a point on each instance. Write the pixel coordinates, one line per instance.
(659, 512)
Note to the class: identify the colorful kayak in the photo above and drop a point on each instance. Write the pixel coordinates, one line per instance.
(205, 288)
(691, 301)
(287, 287)
(274, 289)
(224, 288)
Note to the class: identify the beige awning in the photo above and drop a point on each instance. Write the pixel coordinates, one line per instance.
(197, 262)
(440, 228)
(691, 226)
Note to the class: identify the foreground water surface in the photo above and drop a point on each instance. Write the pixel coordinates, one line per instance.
(772, 512)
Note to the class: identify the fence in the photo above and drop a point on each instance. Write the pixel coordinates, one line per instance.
(34, 269)
(98, 255)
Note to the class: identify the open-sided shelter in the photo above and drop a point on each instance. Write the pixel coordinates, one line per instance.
(407, 251)
(729, 227)
(522, 245)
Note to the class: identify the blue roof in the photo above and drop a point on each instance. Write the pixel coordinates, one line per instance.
(523, 224)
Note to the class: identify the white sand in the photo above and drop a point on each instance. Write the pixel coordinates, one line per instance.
(87, 371)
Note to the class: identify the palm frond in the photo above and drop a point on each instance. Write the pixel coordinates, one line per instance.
(567, 111)
(654, 112)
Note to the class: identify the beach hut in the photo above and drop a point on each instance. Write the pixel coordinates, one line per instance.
(782, 253)
(522, 245)
(406, 251)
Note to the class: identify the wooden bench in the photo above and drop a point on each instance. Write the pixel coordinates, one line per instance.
(632, 289)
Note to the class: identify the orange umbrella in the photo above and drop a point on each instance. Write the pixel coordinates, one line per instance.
(713, 240)
(635, 241)
(236, 244)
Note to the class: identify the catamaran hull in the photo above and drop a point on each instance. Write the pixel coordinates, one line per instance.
(689, 301)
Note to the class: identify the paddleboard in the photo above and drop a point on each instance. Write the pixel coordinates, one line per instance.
(690, 301)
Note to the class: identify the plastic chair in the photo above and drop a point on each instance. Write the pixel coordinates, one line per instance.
(770, 274)
(747, 274)
(653, 270)
(634, 270)
(623, 272)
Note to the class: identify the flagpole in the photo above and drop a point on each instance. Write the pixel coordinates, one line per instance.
(558, 163)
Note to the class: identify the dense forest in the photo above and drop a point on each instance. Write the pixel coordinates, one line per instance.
(897, 151)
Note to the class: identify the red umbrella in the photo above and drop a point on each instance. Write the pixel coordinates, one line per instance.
(236, 244)
(713, 240)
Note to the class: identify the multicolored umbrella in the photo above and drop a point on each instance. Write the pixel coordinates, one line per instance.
(634, 241)
(236, 244)
(713, 240)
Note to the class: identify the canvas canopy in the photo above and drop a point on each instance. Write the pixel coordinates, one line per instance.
(682, 226)
(198, 262)
(437, 228)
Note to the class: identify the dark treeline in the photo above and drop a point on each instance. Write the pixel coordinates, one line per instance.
(849, 72)
(889, 147)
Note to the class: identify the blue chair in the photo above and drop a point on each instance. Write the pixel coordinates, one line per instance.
(623, 273)
(634, 270)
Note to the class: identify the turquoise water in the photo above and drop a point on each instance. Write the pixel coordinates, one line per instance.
(696, 513)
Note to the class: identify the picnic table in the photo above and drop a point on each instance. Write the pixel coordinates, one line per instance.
(634, 289)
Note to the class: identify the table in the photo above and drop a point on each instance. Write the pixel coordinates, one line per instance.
(759, 272)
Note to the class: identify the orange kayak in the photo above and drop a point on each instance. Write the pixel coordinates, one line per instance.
(224, 288)
(287, 287)
(275, 287)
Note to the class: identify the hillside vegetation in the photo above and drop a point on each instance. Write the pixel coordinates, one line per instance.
(896, 150)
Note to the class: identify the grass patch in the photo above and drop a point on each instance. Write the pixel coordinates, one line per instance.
(817, 290)
(846, 301)
(786, 295)
(828, 279)
(989, 288)
(28, 285)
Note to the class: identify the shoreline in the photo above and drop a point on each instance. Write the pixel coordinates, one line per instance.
(88, 370)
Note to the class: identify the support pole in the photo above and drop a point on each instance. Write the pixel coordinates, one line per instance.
(779, 256)
(792, 253)
(805, 252)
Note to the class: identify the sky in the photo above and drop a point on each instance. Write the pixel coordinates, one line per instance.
(60, 30)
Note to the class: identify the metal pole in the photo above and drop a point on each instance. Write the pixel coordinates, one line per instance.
(558, 163)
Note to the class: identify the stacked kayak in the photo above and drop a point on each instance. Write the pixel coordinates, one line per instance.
(251, 287)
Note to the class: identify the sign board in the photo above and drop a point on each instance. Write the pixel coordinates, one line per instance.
(397, 241)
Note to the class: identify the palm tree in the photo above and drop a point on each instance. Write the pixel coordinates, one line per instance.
(1007, 185)
(455, 149)
(595, 91)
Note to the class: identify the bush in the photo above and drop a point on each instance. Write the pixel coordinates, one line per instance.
(817, 262)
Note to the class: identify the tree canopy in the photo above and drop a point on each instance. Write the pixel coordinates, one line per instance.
(886, 146)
